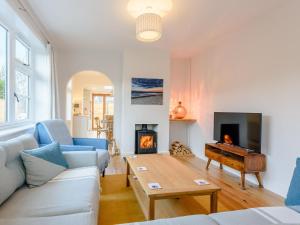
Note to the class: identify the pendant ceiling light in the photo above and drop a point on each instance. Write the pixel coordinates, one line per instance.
(149, 14)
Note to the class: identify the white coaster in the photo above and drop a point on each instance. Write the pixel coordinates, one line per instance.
(154, 186)
(201, 182)
(133, 156)
(141, 168)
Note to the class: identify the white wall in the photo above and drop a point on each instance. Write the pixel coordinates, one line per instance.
(180, 83)
(255, 69)
(145, 63)
(73, 61)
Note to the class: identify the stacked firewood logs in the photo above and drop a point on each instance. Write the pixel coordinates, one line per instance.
(179, 149)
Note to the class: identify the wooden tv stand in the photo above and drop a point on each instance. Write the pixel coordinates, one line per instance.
(237, 158)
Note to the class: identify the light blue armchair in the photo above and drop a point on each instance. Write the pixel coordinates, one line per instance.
(49, 131)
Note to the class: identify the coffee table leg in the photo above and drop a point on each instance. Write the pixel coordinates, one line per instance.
(214, 202)
(127, 174)
(151, 215)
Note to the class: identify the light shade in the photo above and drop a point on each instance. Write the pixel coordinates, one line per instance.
(159, 7)
(148, 27)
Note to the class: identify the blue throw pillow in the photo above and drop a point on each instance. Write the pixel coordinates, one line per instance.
(293, 196)
(43, 164)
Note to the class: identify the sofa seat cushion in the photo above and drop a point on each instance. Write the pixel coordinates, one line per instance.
(78, 173)
(71, 219)
(75, 192)
(185, 220)
(258, 216)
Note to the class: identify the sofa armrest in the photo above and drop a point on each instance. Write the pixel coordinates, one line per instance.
(74, 148)
(81, 159)
(97, 143)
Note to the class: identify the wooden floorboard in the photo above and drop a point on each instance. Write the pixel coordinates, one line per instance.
(231, 197)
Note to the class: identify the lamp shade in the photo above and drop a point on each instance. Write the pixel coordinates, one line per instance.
(148, 27)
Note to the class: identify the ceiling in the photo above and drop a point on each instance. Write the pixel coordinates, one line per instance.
(106, 24)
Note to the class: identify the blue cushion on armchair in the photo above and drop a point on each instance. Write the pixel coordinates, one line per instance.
(293, 196)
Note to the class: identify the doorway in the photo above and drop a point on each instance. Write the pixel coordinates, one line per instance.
(102, 106)
(90, 105)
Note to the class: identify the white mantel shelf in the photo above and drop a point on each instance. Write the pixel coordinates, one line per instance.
(183, 120)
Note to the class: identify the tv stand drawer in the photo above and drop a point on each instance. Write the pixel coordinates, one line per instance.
(226, 160)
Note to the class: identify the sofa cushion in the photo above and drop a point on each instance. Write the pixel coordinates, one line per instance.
(258, 216)
(293, 196)
(78, 173)
(74, 192)
(28, 141)
(42, 164)
(81, 159)
(86, 218)
(12, 174)
(50, 153)
(185, 220)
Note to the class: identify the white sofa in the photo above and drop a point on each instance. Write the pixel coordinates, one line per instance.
(256, 216)
(70, 198)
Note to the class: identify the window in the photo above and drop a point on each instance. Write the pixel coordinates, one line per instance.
(22, 81)
(25, 72)
(14, 82)
(22, 52)
(3, 74)
(21, 96)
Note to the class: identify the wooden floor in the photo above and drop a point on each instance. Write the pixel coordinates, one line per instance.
(231, 197)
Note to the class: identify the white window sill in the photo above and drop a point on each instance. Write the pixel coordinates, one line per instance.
(12, 130)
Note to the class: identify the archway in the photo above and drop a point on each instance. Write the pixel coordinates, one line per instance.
(90, 105)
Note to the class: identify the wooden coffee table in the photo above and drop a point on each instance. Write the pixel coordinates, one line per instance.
(175, 178)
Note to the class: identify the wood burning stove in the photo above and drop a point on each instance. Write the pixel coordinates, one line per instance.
(145, 141)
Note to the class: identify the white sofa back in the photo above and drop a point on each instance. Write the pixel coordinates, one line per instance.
(12, 173)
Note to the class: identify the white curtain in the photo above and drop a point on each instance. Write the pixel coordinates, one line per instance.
(55, 109)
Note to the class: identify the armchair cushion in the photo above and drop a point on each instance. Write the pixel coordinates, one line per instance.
(81, 159)
(97, 143)
(71, 148)
(53, 130)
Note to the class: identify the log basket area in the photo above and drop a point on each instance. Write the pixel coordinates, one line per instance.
(179, 149)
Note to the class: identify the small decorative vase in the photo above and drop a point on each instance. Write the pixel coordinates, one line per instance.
(179, 111)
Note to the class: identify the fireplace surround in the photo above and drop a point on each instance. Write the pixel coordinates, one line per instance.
(145, 140)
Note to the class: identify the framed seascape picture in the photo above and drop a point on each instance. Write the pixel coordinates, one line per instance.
(146, 91)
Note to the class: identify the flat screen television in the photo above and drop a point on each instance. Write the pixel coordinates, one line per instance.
(239, 129)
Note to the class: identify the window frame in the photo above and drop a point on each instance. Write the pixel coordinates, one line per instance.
(25, 69)
(23, 41)
(6, 74)
(14, 65)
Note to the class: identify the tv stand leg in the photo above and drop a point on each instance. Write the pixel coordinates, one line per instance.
(258, 177)
(243, 180)
(208, 163)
